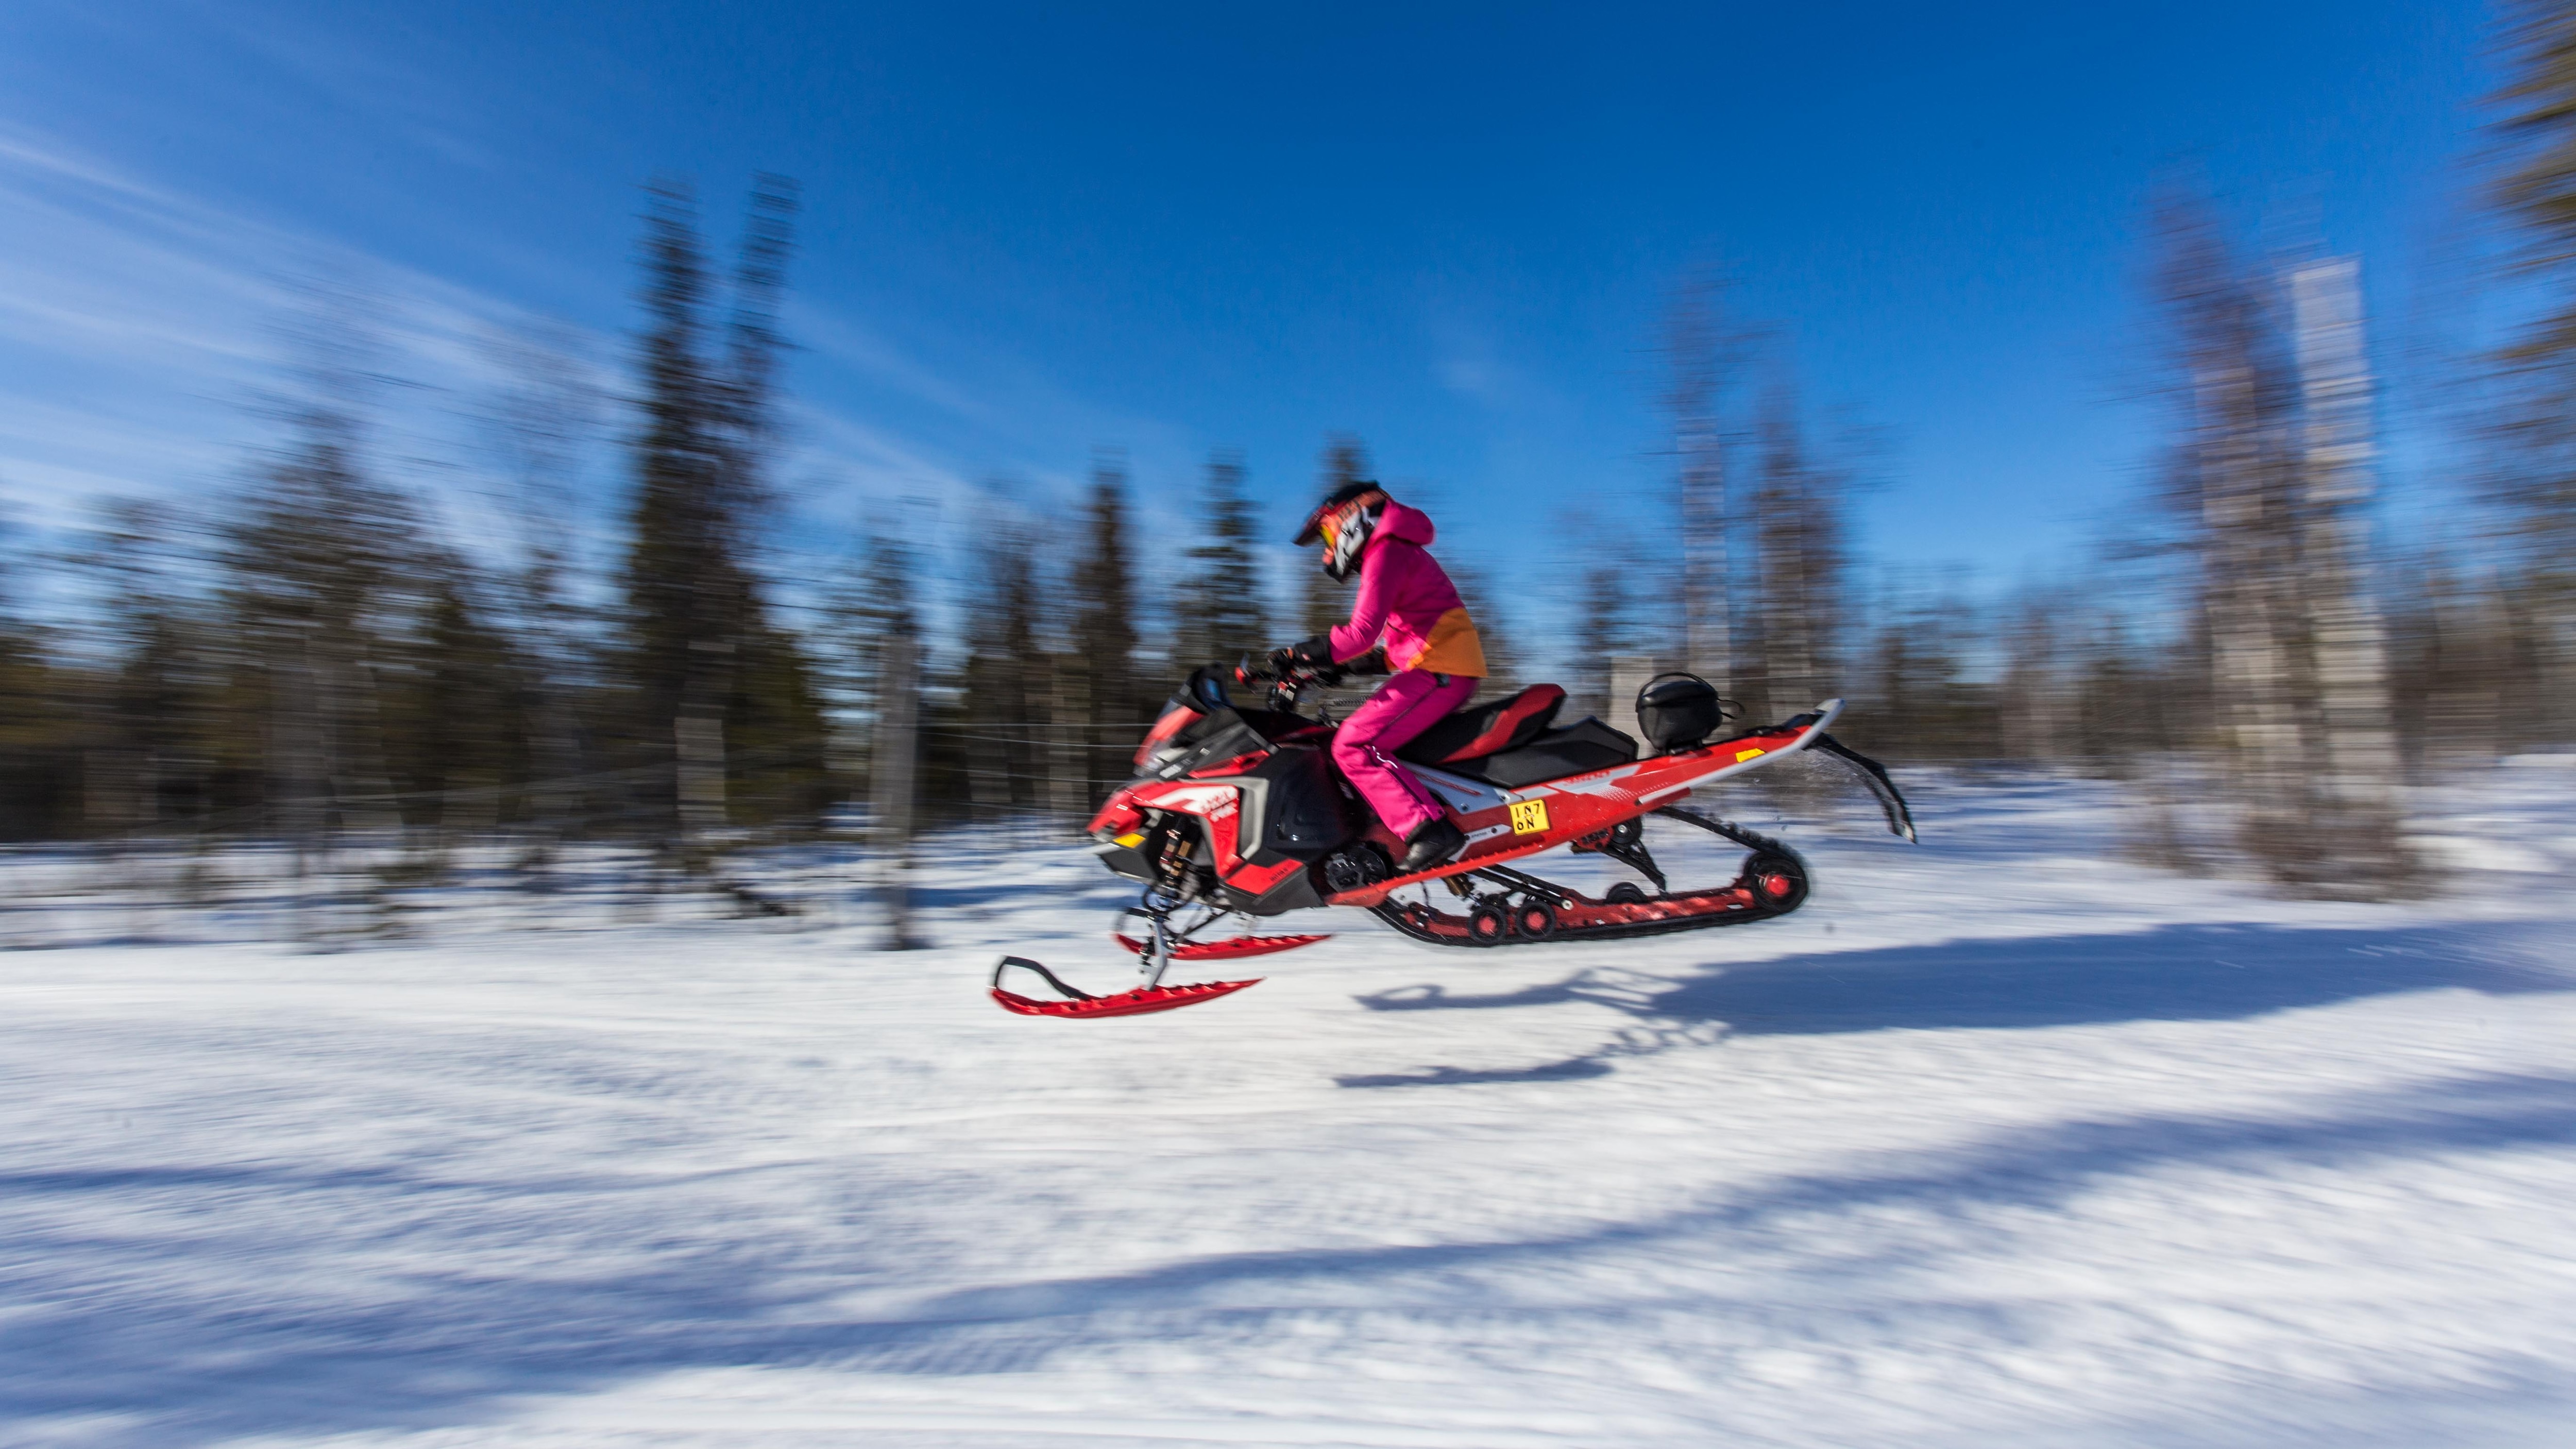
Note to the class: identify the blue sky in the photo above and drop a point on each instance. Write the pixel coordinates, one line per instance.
(1030, 232)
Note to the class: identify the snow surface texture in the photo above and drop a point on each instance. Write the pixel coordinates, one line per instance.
(2000, 1142)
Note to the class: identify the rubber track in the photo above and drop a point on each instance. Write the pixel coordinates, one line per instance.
(1398, 917)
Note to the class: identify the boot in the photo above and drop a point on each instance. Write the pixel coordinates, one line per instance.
(1432, 843)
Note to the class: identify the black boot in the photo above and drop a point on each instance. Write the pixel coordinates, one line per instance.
(1431, 843)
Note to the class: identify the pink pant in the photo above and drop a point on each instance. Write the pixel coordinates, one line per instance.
(1365, 746)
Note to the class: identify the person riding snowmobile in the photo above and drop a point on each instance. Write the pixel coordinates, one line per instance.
(1408, 609)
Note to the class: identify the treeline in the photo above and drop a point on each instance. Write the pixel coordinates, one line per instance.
(312, 654)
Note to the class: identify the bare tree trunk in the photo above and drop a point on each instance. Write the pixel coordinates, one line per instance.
(2356, 748)
(2249, 669)
(699, 743)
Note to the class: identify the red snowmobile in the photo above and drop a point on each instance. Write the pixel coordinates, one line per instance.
(1240, 812)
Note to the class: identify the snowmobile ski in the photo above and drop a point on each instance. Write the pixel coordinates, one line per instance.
(1229, 950)
(1137, 1002)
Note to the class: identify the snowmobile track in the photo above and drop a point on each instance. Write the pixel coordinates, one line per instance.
(1772, 883)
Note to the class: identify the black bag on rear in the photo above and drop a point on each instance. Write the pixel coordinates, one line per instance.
(1677, 711)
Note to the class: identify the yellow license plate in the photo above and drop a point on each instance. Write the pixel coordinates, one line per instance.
(1743, 755)
(1529, 817)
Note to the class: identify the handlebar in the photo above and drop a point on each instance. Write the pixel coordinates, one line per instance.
(1287, 684)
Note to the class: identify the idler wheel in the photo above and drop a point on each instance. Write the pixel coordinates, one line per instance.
(1488, 926)
(1536, 920)
(1624, 893)
(1776, 882)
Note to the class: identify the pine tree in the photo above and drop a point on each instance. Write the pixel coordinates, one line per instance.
(455, 718)
(1219, 606)
(37, 726)
(705, 668)
(1006, 680)
(1111, 696)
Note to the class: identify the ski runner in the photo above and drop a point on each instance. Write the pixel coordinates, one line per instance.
(1408, 608)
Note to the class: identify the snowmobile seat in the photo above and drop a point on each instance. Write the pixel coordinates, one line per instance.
(1585, 745)
(1472, 734)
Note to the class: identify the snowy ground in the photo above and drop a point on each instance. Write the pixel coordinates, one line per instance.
(2001, 1142)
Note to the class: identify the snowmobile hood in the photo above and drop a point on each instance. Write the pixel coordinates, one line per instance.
(1409, 524)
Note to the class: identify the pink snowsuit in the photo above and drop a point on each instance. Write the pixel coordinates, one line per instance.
(1406, 600)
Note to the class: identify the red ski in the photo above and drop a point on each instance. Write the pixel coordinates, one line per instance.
(1137, 1002)
(1227, 950)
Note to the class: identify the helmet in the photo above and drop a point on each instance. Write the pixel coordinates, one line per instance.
(1343, 521)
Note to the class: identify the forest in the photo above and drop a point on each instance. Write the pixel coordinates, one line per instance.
(309, 656)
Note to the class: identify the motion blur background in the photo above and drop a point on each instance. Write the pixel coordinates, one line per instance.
(525, 427)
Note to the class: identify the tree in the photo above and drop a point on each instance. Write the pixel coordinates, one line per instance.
(536, 426)
(702, 661)
(1701, 355)
(1007, 681)
(36, 725)
(322, 564)
(456, 715)
(1603, 632)
(2534, 480)
(1797, 514)
(1219, 605)
(2271, 391)
(876, 600)
(1106, 690)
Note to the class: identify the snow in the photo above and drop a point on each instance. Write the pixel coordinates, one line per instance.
(2002, 1141)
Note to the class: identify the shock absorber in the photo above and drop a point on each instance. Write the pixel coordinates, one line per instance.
(1179, 881)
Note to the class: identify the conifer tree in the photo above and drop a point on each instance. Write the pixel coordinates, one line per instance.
(35, 724)
(1111, 696)
(1006, 681)
(702, 660)
(456, 716)
(1219, 605)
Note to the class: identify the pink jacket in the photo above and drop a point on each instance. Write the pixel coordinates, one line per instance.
(1407, 599)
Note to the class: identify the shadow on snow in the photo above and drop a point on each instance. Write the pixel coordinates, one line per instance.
(187, 1349)
(2172, 973)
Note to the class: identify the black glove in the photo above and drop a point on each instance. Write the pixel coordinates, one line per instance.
(1307, 655)
(1373, 662)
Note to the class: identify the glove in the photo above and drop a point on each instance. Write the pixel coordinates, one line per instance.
(1308, 655)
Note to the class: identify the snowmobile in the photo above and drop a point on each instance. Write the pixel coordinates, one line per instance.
(1240, 812)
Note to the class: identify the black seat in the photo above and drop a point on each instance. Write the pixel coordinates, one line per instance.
(1579, 748)
(1487, 729)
